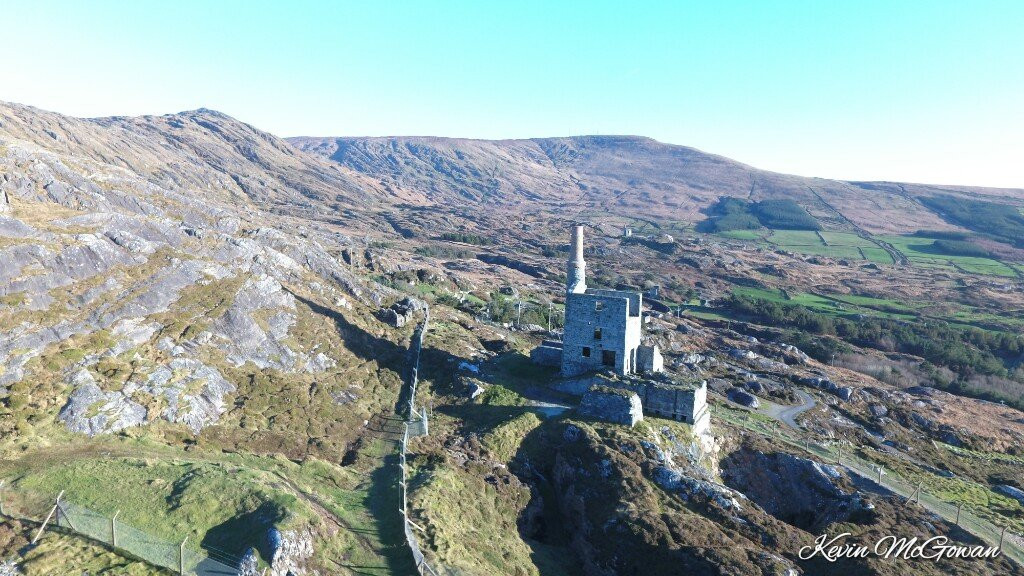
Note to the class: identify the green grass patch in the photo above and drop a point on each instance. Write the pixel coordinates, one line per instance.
(742, 234)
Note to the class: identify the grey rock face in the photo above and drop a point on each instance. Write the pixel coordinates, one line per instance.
(878, 410)
(249, 565)
(689, 487)
(796, 490)
(1011, 491)
(92, 411)
(743, 398)
(9, 568)
(194, 392)
(291, 550)
(240, 333)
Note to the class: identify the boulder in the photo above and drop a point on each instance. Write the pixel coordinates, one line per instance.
(291, 549)
(1011, 491)
(743, 398)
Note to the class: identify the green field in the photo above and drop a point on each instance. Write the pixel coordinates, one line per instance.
(838, 304)
(743, 234)
(921, 252)
(844, 245)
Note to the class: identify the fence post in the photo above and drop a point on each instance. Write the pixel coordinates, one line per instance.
(1001, 534)
(879, 475)
(916, 497)
(423, 413)
(113, 529)
(48, 516)
(181, 557)
(839, 458)
(958, 507)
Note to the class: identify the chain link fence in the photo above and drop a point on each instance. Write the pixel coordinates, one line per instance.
(45, 512)
(415, 425)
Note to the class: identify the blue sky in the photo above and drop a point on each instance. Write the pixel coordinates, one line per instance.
(929, 91)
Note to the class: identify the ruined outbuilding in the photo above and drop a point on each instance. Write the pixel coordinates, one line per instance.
(612, 405)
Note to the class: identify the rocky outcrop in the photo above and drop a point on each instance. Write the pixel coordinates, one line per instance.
(89, 410)
(798, 491)
(1011, 491)
(9, 568)
(402, 312)
(290, 550)
(195, 393)
(744, 398)
(249, 565)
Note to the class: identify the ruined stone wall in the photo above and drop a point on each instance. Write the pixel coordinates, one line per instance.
(649, 360)
(612, 405)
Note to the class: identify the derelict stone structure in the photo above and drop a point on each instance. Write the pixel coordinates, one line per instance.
(685, 403)
(612, 405)
(602, 327)
(602, 334)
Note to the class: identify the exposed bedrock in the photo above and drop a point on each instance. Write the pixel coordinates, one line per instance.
(800, 492)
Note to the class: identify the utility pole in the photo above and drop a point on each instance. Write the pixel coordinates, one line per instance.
(879, 475)
(1001, 534)
(113, 529)
(958, 507)
(519, 313)
(549, 316)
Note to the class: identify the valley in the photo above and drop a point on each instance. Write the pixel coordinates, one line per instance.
(206, 330)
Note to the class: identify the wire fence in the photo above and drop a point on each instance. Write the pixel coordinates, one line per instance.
(416, 425)
(960, 514)
(51, 512)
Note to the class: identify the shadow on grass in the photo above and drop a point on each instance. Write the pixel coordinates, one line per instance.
(233, 537)
(384, 500)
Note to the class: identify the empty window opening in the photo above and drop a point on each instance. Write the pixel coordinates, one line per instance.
(608, 357)
(586, 351)
(598, 306)
(597, 333)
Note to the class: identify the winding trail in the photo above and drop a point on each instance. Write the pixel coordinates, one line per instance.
(788, 414)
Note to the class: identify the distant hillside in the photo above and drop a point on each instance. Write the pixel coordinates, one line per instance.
(624, 175)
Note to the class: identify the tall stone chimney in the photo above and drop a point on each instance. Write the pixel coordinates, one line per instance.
(576, 280)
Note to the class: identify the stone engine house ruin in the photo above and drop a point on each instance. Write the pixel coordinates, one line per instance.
(603, 331)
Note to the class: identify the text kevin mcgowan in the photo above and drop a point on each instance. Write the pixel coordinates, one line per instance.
(935, 548)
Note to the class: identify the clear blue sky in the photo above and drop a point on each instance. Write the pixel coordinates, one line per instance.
(927, 91)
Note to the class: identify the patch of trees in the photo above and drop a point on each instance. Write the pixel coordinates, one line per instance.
(960, 248)
(998, 221)
(475, 239)
(735, 214)
(942, 234)
(969, 352)
(784, 215)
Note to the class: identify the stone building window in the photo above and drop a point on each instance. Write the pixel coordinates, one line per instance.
(586, 351)
(608, 357)
(597, 333)
(598, 306)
